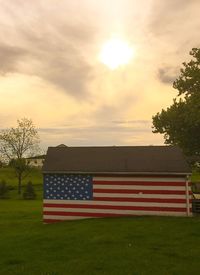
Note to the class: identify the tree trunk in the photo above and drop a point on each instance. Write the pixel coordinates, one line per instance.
(19, 183)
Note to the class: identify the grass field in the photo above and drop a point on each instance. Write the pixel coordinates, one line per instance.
(143, 245)
(9, 176)
(35, 176)
(138, 245)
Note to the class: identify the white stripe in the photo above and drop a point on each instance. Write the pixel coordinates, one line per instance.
(139, 195)
(135, 213)
(149, 179)
(139, 187)
(120, 203)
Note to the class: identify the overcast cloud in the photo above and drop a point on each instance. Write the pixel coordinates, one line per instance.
(50, 71)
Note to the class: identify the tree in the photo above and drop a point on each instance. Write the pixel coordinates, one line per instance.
(3, 190)
(180, 123)
(18, 143)
(29, 193)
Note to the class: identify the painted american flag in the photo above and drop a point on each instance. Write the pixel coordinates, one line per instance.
(69, 197)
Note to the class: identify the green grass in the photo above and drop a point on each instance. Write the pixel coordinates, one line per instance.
(138, 245)
(35, 176)
(9, 176)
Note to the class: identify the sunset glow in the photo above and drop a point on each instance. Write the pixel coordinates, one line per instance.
(93, 73)
(115, 53)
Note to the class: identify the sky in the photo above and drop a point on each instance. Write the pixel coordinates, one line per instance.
(50, 69)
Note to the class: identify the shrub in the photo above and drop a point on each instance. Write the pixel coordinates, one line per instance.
(29, 192)
(3, 190)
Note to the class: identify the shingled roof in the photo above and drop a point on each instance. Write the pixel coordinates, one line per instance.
(116, 159)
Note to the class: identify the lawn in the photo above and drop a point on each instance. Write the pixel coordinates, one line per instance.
(138, 245)
(8, 174)
(35, 176)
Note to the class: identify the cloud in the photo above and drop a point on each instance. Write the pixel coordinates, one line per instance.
(51, 47)
(168, 16)
(141, 122)
(167, 75)
(9, 58)
(102, 134)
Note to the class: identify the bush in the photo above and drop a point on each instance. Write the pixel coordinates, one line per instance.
(29, 192)
(3, 190)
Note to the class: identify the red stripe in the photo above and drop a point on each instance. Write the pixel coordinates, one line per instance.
(144, 176)
(85, 214)
(147, 183)
(117, 207)
(142, 200)
(126, 191)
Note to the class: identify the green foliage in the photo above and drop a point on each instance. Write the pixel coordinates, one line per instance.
(19, 165)
(29, 192)
(17, 143)
(3, 190)
(180, 123)
(188, 82)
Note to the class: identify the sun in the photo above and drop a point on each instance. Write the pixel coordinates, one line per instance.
(115, 53)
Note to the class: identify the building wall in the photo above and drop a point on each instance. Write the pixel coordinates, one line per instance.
(69, 197)
(35, 162)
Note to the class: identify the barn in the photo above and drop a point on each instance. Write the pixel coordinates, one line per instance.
(88, 182)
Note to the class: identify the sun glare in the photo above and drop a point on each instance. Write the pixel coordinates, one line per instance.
(115, 53)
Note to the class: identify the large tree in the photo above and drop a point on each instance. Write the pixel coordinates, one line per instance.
(17, 143)
(180, 123)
